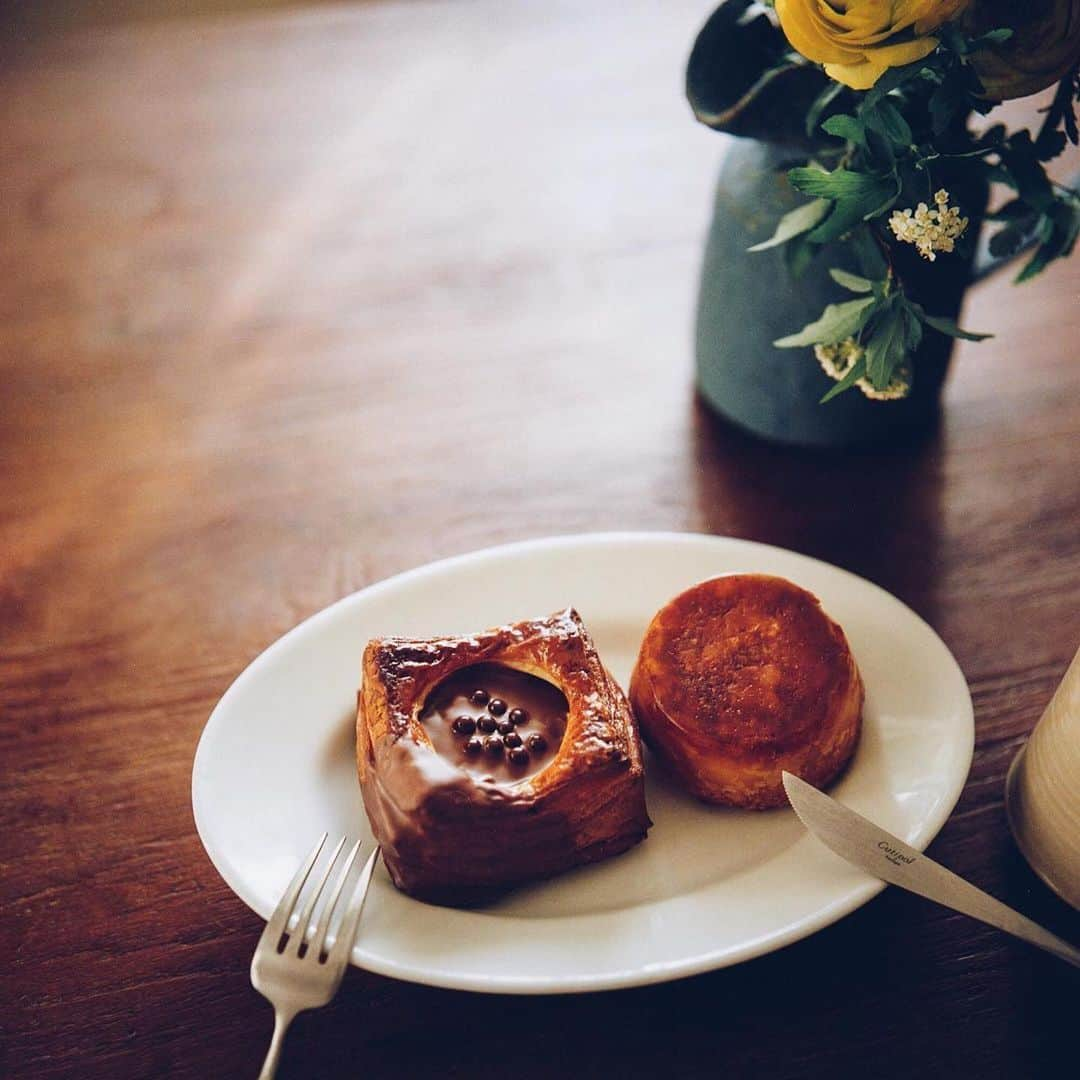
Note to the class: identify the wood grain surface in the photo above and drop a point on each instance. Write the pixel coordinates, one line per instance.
(289, 303)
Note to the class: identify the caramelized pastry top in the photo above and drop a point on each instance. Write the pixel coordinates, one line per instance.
(747, 659)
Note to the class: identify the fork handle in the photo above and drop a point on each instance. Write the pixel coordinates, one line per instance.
(282, 1019)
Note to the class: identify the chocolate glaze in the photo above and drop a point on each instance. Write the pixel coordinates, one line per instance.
(449, 836)
(537, 707)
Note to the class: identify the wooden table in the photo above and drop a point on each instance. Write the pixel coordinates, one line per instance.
(290, 303)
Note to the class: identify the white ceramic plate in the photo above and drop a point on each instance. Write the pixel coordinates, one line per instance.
(709, 887)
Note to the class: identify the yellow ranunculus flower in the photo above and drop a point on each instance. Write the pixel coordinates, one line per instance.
(858, 40)
(1044, 45)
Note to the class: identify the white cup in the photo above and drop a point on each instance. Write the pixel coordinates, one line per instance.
(1042, 791)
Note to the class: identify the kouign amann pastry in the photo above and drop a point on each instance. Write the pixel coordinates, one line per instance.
(741, 677)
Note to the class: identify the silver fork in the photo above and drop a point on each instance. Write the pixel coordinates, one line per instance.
(292, 968)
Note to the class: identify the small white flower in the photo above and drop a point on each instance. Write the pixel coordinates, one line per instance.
(899, 386)
(837, 360)
(929, 230)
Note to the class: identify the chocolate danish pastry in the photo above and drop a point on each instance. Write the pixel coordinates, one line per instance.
(495, 759)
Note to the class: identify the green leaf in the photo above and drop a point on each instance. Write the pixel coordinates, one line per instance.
(850, 281)
(892, 79)
(887, 120)
(954, 40)
(795, 222)
(858, 370)
(839, 184)
(798, 255)
(1035, 265)
(1009, 240)
(947, 102)
(837, 322)
(846, 127)
(913, 331)
(846, 215)
(885, 347)
(871, 261)
(852, 211)
(880, 151)
(993, 37)
(948, 326)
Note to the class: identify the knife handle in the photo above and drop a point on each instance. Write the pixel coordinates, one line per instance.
(945, 887)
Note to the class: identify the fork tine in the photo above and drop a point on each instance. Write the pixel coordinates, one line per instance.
(280, 918)
(300, 933)
(328, 911)
(342, 949)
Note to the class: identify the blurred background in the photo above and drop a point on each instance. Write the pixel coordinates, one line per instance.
(27, 17)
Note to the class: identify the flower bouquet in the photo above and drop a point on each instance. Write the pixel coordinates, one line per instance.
(871, 108)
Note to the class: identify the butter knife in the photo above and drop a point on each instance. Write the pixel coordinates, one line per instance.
(879, 853)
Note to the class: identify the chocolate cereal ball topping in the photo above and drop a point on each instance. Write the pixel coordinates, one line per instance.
(471, 716)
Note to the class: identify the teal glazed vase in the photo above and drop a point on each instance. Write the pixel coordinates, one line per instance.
(747, 300)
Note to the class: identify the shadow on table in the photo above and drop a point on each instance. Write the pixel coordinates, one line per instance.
(875, 512)
(837, 1004)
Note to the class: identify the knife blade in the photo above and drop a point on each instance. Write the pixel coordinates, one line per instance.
(884, 856)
